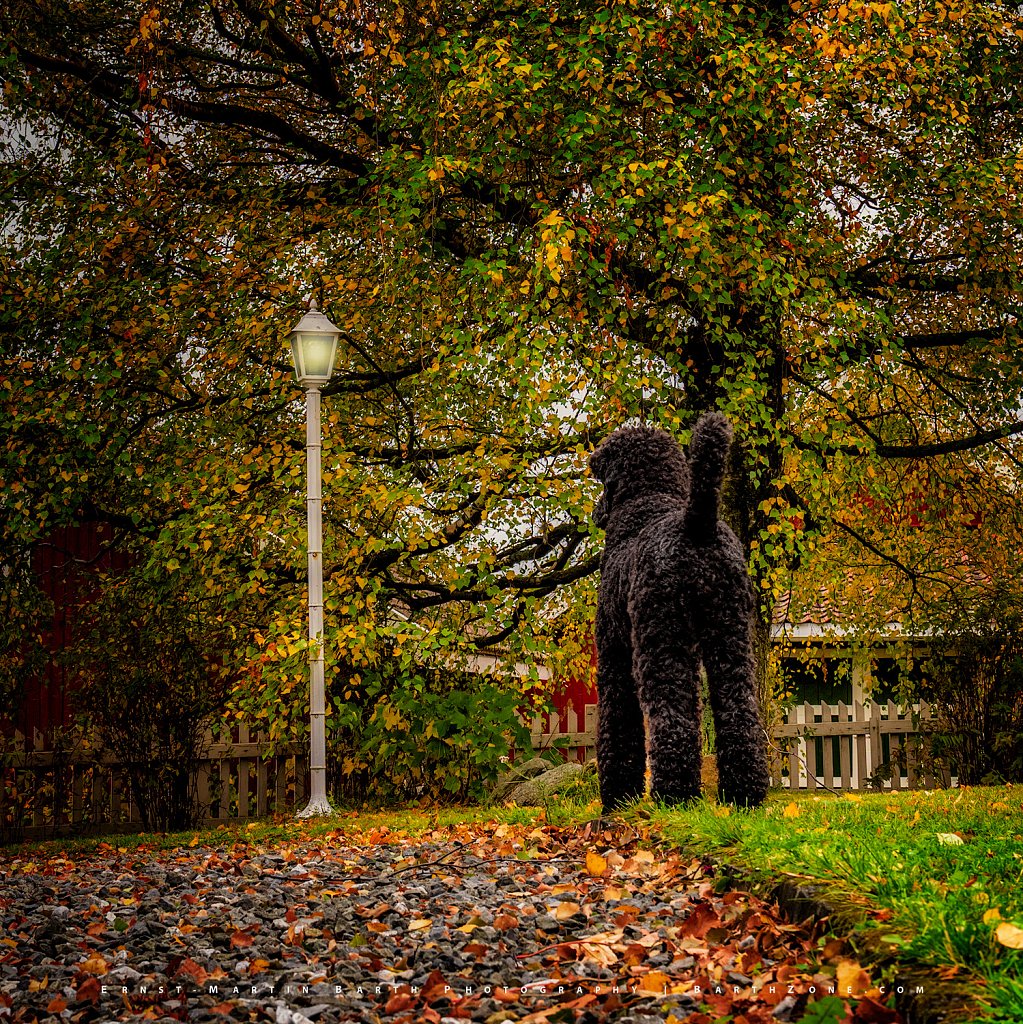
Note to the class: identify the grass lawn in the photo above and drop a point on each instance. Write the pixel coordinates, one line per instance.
(935, 877)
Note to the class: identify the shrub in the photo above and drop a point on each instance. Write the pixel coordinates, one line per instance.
(430, 734)
(975, 682)
(149, 668)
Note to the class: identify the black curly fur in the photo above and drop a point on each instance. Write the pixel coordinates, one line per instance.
(674, 594)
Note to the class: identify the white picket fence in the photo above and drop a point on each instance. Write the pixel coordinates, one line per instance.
(859, 746)
(855, 747)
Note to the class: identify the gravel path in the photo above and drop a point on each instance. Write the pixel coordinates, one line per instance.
(498, 924)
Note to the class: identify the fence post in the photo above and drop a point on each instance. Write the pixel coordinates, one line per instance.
(590, 728)
(810, 718)
(876, 754)
(243, 774)
(860, 741)
(845, 746)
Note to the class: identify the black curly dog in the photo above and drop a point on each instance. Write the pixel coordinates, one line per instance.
(674, 594)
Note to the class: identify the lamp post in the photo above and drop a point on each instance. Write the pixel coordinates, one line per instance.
(313, 348)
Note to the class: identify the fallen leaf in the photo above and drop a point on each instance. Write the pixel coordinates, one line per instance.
(655, 981)
(791, 810)
(992, 915)
(566, 910)
(870, 1011)
(700, 921)
(401, 1000)
(58, 1004)
(598, 952)
(595, 864)
(95, 964)
(89, 989)
(419, 924)
(193, 970)
(377, 911)
(1009, 935)
(504, 922)
(241, 939)
(852, 979)
(435, 987)
(949, 839)
(626, 913)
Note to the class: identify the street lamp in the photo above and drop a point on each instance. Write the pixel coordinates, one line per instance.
(313, 348)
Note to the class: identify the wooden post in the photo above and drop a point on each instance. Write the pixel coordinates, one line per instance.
(280, 783)
(809, 717)
(77, 793)
(860, 740)
(876, 754)
(244, 764)
(261, 788)
(845, 748)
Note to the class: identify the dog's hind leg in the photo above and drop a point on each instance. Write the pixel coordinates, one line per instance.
(667, 668)
(621, 749)
(727, 651)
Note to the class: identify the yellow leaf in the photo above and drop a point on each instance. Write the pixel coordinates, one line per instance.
(419, 924)
(992, 915)
(949, 839)
(1009, 935)
(95, 964)
(791, 811)
(595, 864)
(852, 979)
(655, 981)
(566, 910)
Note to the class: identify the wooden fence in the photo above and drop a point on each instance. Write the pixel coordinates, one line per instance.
(855, 746)
(816, 746)
(50, 792)
(555, 731)
(840, 747)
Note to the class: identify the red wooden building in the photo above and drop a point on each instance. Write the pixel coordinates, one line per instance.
(65, 567)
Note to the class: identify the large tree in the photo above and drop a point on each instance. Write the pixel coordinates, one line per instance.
(532, 222)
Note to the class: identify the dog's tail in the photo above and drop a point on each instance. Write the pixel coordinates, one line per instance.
(708, 452)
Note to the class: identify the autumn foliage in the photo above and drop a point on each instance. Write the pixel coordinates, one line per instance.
(531, 223)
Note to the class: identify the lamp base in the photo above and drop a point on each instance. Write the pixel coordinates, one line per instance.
(316, 807)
